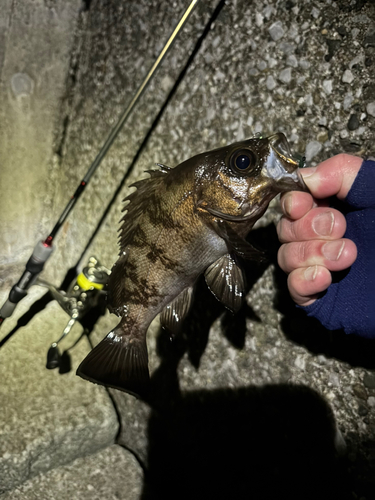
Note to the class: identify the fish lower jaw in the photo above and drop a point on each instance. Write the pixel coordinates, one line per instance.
(252, 211)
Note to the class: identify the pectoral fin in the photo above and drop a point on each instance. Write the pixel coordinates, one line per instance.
(226, 281)
(237, 244)
(118, 361)
(173, 315)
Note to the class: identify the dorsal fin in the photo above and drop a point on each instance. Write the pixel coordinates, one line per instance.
(163, 168)
(138, 201)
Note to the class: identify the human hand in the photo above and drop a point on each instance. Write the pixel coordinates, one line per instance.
(313, 239)
(312, 233)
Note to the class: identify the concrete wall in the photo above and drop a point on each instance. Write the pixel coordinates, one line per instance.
(36, 41)
(306, 68)
(67, 73)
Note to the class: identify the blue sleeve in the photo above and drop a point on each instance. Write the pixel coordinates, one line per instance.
(349, 304)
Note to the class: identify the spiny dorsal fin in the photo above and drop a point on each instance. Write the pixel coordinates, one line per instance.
(138, 201)
(163, 168)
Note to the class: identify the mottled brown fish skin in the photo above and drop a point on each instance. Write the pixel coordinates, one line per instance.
(178, 223)
(171, 246)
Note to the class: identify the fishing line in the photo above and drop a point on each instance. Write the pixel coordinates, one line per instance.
(44, 249)
(73, 271)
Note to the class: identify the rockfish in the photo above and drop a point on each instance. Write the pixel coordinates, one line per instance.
(179, 223)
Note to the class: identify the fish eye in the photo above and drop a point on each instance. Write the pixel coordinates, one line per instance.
(242, 161)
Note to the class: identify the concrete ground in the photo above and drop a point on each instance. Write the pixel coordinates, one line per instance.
(263, 403)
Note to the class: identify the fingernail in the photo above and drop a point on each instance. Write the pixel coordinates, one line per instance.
(308, 172)
(311, 178)
(310, 273)
(332, 250)
(323, 224)
(287, 204)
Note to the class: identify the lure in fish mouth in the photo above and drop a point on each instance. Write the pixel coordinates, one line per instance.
(179, 223)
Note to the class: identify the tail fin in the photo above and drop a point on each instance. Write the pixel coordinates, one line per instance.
(118, 361)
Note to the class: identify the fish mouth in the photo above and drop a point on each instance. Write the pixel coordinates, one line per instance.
(249, 214)
(281, 166)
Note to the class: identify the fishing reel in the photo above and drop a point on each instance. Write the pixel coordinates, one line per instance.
(84, 293)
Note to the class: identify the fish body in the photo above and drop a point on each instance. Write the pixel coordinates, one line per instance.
(180, 223)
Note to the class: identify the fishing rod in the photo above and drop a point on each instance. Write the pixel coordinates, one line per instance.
(44, 249)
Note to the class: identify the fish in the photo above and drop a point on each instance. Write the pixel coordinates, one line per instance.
(179, 223)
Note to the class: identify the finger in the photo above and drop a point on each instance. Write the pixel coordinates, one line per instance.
(334, 176)
(305, 284)
(318, 223)
(296, 204)
(334, 255)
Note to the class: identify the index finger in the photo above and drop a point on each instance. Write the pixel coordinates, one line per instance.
(334, 176)
(296, 204)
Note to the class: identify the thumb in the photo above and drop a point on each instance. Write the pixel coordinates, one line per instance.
(334, 176)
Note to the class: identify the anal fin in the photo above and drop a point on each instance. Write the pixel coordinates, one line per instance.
(174, 313)
(118, 361)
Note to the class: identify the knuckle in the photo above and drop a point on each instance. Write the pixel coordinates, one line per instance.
(295, 254)
(300, 251)
(342, 158)
(310, 249)
(294, 284)
(283, 229)
(306, 227)
(291, 230)
(294, 230)
(280, 257)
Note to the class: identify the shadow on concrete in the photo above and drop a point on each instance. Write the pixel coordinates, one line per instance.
(275, 441)
(297, 327)
(34, 309)
(261, 443)
(193, 338)
(205, 310)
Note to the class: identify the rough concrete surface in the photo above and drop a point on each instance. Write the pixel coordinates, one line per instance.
(111, 474)
(268, 384)
(267, 67)
(46, 419)
(118, 43)
(36, 40)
